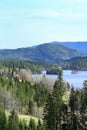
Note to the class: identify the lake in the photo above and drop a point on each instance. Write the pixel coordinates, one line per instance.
(75, 80)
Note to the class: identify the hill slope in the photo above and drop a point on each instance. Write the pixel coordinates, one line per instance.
(80, 46)
(44, 53)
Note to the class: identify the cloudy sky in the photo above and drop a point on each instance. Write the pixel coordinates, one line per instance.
(26, 23)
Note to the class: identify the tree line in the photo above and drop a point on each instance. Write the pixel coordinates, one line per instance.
(35, 67)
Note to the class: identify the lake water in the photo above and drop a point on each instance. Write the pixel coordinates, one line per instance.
(75, 80)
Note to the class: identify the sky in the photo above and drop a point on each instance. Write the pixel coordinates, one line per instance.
(25, 23)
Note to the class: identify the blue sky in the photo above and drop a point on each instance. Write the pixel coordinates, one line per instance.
(26, 23)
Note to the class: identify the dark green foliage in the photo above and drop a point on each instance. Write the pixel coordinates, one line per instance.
(40, 95)
(70, 116)
(79, 63)
(30, 106)
(72, 102)
(58, 92)
(21, 125)
(35, 67)
(49, 113)
(39, 125)
(32, 125)
(21, 93)
(52, 110)
(84, 98)
(77, 115)
(13, 123)
(3, 120)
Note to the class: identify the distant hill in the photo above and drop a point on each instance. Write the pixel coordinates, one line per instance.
(78, 63)
(44, 53)
(80, 46)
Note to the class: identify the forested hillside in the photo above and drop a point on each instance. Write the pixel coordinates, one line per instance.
(80, 45)
(35, 67)
(74, 64)
(42, 53)
(79, 63)
(24, 96)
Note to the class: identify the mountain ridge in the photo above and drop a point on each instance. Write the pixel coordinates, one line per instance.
(43, 52)
(79, 45)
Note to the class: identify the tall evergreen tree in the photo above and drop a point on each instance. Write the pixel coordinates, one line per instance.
(74, 114)
(49, 113)
(54, 104)
(72, 102)
(3, 120)
(57, 94)
(32, 125)
(39, 125)
(21, 125)
(13, 121)
(83, 109)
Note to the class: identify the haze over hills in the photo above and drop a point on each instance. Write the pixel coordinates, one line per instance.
(80, 46)
(43, 53)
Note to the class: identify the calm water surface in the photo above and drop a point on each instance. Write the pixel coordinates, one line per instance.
(75, 80)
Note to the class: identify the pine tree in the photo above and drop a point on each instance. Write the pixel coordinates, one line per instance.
(84, 98)
(39, 125)
(58, 92)
(52, 110)
(21, 125)
(84, 106)
(74, 104)
(30, 106)
(3, 120)
(32, 125)
(49, 113)
(13, 121)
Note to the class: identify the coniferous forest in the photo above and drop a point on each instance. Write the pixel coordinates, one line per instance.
(55, 110)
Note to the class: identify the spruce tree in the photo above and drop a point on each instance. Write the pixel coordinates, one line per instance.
(39, 125)
(49, 113)
(72, 102)
(3, 120)
(52, 111)
(57, 94)
(21, 125)
(32, 125)
(13, 121)
(84, 106)
(74, 114)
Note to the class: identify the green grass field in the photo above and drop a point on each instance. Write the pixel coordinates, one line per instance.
(25, 118)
